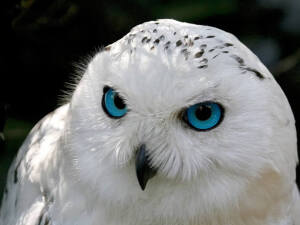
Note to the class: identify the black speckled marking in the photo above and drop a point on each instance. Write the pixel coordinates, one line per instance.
(228, 44)
(155, 31)
(40, 219)
(210, 36)
(167, 44)
(152, 48)
(47, 221)
(216, 56)
(184, 50)
(186, 53)
(258, 74)
(174, 33)
(186, 36)
(203, 46)
(156, 41)
(162, 37)
(211, 50)
(239, 60)
(197, 38)
(144, 39)
(202, 67)
(225, 52)
(204, 60)
(156, 23)
(148, 40)
(199, 54)
(44, 218)
(178, 43)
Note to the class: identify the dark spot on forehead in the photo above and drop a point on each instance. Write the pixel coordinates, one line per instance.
(238, 59)
(199, 54)
(184, 50)
(216, 56)
(257, 73)
(144, 39)
(178, 43)
(228, 44)
(167, 45)
(186, 53)
(204, 60)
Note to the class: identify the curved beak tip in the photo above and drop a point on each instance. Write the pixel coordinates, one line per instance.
(143, 170)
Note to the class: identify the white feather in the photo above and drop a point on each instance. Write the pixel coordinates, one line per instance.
(77, 165)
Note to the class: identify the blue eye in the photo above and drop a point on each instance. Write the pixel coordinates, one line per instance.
(204, 116)
(113, 104)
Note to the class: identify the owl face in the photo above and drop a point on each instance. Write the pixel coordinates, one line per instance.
(188, 106)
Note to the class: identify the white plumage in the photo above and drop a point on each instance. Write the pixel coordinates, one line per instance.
(78, 165)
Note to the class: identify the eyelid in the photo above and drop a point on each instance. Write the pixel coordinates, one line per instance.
(184, 116)
(109, 105)
(107, 87)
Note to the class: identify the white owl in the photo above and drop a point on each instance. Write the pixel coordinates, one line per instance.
(174, 124)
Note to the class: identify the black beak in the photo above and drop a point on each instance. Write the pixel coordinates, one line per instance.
(143, 170)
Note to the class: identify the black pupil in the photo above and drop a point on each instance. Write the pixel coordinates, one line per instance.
(119, 102)
(203, 112)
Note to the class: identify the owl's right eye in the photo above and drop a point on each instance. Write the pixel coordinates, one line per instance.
(204, 116)
(113, 104)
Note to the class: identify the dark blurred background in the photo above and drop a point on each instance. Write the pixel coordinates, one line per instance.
(43, 39)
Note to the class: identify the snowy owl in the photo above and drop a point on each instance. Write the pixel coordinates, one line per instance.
(174, 124)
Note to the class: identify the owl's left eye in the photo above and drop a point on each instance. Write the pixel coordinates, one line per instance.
(113, 105)
(204, 116)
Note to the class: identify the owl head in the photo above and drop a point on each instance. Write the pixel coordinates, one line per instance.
(176, 119)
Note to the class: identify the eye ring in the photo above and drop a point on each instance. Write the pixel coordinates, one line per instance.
(204, 116)
(113, 104)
